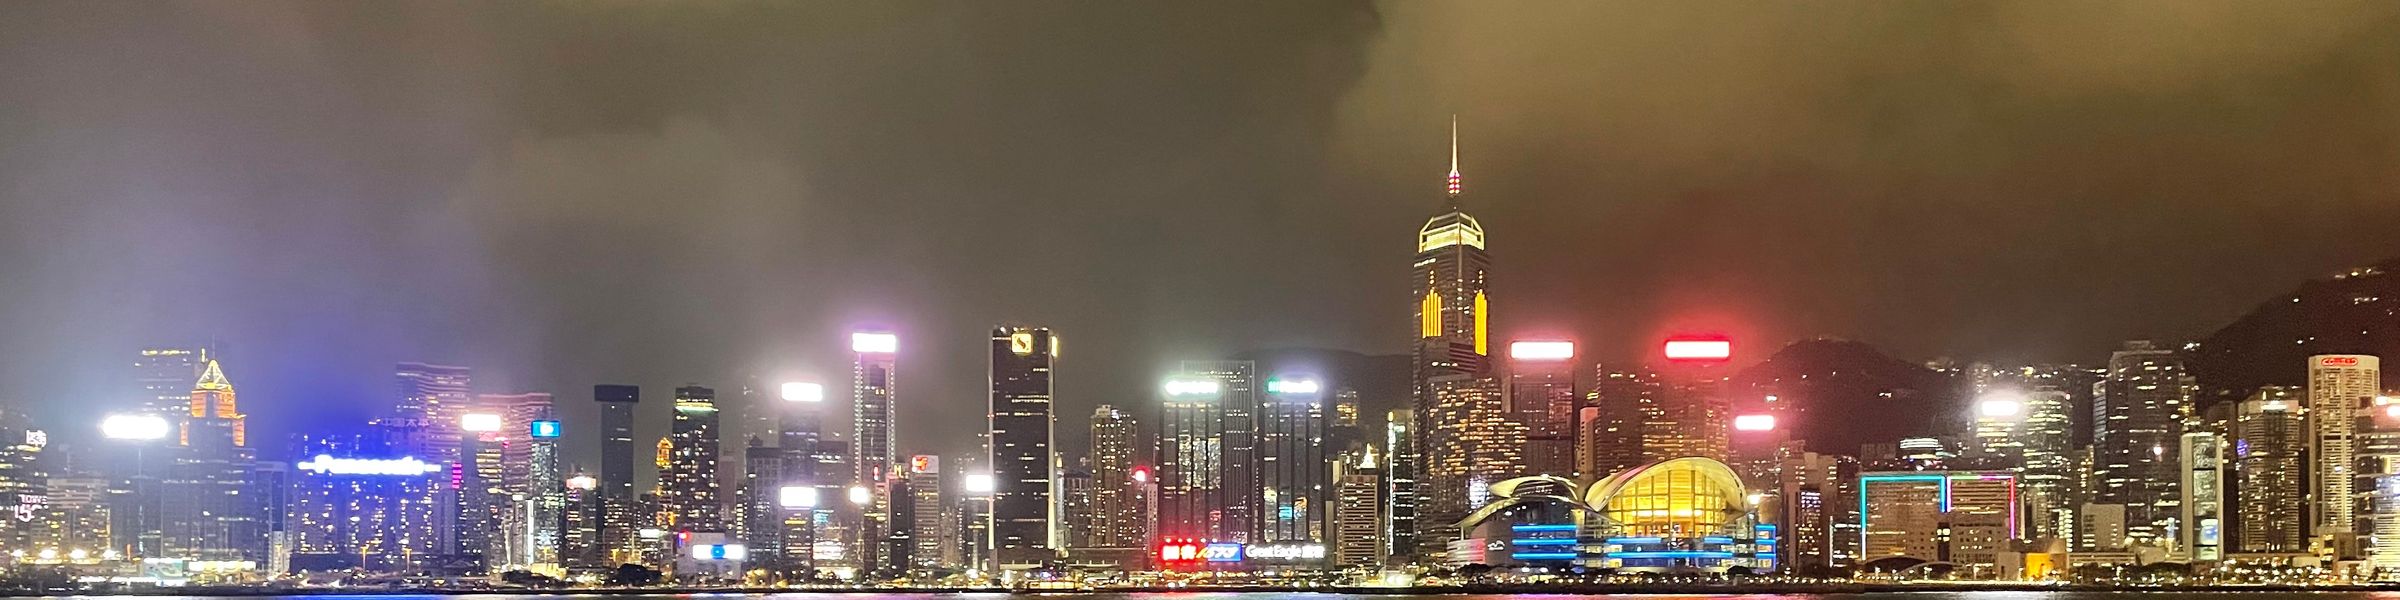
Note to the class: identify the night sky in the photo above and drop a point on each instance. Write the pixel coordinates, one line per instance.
(568, 193)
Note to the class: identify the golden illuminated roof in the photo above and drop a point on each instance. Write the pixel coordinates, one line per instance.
(213, 379)
(1450, 228)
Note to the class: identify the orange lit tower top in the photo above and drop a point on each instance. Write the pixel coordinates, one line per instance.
(212, 400)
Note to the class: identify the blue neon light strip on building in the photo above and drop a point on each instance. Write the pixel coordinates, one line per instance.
(1862, 496)
(1544, 542)
(1716, 540)
(1671, 554)
(1635, 540)
(1542, 528)
(1543, 556)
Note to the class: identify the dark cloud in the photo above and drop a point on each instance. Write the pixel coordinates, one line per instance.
(567, 193)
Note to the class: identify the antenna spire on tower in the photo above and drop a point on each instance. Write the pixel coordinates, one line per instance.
(1454, 187)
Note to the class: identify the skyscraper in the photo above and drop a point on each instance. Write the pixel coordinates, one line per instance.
(689, 487)
(1611, 424)
(1237, 410)
(24, 484)
(874, 439)
(926, 485)
(615, 515)
(437, 394)
(208, 515)
(543, 489)
(2203, 501)
(1400, 485)
(165, 374)
(1358, 510)
(1293, 472)
(2270, 437)
(1193, 491)
(1447, 294)
(1023, 519)
(1541, 398)
(356, 500)
(2339, 387)
(2049, 473)
(1472, 444)
(2138, 422)
(1115, 516)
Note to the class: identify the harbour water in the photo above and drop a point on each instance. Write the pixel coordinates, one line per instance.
(1931, 594)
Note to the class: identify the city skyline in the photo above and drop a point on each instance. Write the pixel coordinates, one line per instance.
(556, 231)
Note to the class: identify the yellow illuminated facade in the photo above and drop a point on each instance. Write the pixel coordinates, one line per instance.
(212, 399)
(1429, 316)
(1683, 497)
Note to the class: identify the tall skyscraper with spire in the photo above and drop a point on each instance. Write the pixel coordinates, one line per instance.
(1452, 313)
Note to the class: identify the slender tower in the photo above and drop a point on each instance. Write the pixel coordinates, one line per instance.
(874, 428)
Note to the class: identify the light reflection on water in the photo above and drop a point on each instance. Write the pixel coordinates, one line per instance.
(1923, 595)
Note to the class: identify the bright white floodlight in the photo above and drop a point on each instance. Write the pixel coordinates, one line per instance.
(796, 496)
(801, 391)
(874, 343)
(981, 484)
(860, 495)
(135, 427)
(479, 422)
(2000, 405)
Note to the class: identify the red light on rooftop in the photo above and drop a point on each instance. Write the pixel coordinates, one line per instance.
(1689, 349)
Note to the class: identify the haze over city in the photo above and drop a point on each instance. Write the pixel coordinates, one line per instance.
(562, 194)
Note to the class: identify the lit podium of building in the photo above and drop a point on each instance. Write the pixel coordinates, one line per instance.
(1682, 515)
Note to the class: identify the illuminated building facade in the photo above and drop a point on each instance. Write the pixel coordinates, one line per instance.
(165, 374)
(1692, 418)
(1611, 426)
(2049, 473)
(874, 417)
(1474, 443)
(1400, 485)
(1075, 508)
(437, 395)
(1193, 491)
(1964, 517)
(616, 520)
(2339, 387)
(1241, 505)
(1450, 303)
(1541, 398)
(1819, 511)
(2270, 441)
(689, 494)
(24, 484)
(1293, 472)
(357, 502)
(2138, 422)
(929, 503)
(1357, 516)
(208, 515)
(1117, 521)
(1684, 515)
(2203, 536)
(1023, 507)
